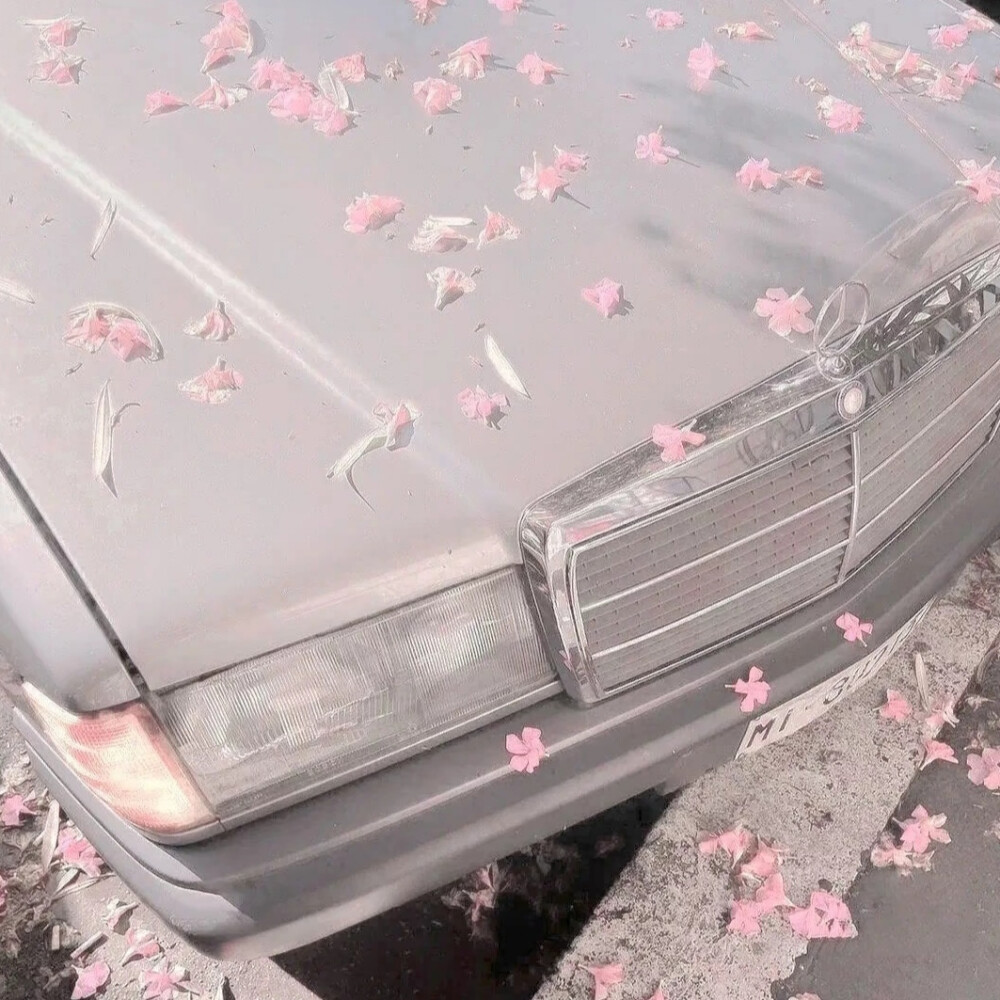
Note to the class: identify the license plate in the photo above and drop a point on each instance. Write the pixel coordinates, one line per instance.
(793, 715)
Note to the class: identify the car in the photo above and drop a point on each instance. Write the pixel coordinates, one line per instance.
(354, 534)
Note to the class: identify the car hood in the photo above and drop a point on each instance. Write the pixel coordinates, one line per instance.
(224, 536)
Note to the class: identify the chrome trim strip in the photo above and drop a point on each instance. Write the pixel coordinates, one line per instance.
(718, 604)
(717, 552)
(852, 532)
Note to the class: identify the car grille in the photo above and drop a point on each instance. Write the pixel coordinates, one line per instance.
(675, 583)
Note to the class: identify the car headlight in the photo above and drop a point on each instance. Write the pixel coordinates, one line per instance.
(278, 728)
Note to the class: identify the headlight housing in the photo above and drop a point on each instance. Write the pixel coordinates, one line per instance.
(278, 728)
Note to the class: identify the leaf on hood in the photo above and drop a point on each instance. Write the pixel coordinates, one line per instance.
(332, 87)
(503, 367)
(10, 289)
(103, 430)
(104, 226)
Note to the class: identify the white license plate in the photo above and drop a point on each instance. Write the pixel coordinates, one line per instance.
(793, 715)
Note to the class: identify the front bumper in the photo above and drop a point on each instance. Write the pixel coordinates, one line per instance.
(321, 866)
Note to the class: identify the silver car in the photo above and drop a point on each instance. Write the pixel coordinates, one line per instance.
(353, 534)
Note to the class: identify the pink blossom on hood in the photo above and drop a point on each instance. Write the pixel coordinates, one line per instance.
(469, 60)
(664, 20)
(60, 69)
(218, 98)
(435, 95)
(486, 407)
(754, 690)
(214, 325)
(804, 175)
(329, 118)
(398, 424)
(62, 32)
(826, 916)
(702, 63)
(507, 6)
(496, 227)
(982, 181)
(747, 30)
(944, 88)
(88, 331)
(744, 918)
(783, 312)
(605, 297)
(227, 38)
(896, 707)
(984, 768)
(527, 750)
(975, 21)
(213, 386)
(424, 11)
(671, 441)
(352, 68)
(908, 64)
(965, 74)
(231, 10)
(292, 105)
(568, 162)
(537, 70)
(840, 116)
(949, 36)
(604, 975)
(275, 74)
(161, 102)
(127, 340)
(921, 828)
(757, 173)
(540, 180)
(369, 212)
(450, 285)
(651, 147)
(936, 750)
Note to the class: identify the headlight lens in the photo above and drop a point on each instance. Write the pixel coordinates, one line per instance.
(301, 719)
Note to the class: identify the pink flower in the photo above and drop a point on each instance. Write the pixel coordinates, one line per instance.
(229, 36)
(783, 312)
(921, 828)
(651, 147)
(62, 33)
(218, 98)
(88, 331)
(294, 104)
(488, 408)
(127, 340)
(89, 979)
(936, 750)
(896, 707)
(13, 809)
(439, 234)
(744, 918)
(671, 440)
(942, 714)
(497, 227)
(804, 175)
(763, 864)
(213, 386)
(826, 916)
(754, 689)
(540, 180)
(975, 21)
(664, 20)
(950, 36)
(450, 285)
(424, 11)
(854, 628)
(60, 69)
(161, 102)
(214, 325)
(908, 64)
(276, 74)
(141, 944)
(165, 982)
(435, 95)
(604, 975)
(965, 74)
(771, 895)
(747, 30)
(469, 60)
(840, 116)
(537, 70)
(982, 181)
(886, 853)
(568, 162)
(944, 88)
(984, 769)
(507, 6)
(398, 424)
(735, 842)
(77, 852)
(527, 750)
(352, 68)
(605, 297)
(329, 118)
(757, 173)
(369, 212)
(702, 63)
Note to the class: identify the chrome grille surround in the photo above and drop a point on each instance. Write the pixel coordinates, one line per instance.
(640, 566)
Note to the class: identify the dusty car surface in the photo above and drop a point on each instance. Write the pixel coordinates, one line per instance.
(355, 534)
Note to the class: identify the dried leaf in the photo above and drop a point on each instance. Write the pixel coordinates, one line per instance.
(332, 87)
(85, 946)
(50, 834)
(923, 684)
(503, 367)
(103, 418)
(104, 226)
(10, 289)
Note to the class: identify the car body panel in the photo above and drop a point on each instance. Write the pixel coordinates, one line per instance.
(226, 539)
